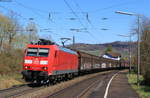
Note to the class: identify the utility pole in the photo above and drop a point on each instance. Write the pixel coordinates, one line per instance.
(130, 57)
(138, 41)
(129, 49)
(30, 30)
(73, 39)
(138, 50)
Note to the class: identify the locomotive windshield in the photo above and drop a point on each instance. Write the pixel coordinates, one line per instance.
(32, 51)
(41, 52)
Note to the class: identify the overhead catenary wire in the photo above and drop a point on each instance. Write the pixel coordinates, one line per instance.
(68, 5)
(22, 17)
(94, 11)
(39, 11)
(113, 6)
(14, 12)
(35, 11)
(29, 8)
(84, 13)
(87, 15)
(26, 19)
(19, 15)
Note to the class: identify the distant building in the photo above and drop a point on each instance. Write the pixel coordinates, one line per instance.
(112, 55)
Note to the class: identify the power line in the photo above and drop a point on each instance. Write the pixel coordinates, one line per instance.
(112, 6)
(13, 12)
(35, 9)
(87, 15)
(54, 12)
(22, 17)
(77, 17)
(73, 12)
(19, 15)
(38, 11)
(41, 11)
(29, 8)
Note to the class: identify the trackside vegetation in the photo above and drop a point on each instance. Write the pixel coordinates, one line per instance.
(142, 90)
(13, 39)
(10, 68)
(7, 81)
(11, 62)
(145, 50)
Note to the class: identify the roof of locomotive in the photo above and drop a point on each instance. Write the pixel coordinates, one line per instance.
(67, 50)
(40, 46)
(57, 47)
(43, 43)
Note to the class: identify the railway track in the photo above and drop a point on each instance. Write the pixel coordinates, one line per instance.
(84, 92)
(77, 90)
(83, 88)
(18, 91)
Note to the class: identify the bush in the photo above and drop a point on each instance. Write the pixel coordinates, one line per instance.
(142, 90)
(11, 62)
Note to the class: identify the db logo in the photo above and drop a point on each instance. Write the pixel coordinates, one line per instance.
(36, 61)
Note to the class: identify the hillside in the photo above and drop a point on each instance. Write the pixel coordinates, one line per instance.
(98, 49)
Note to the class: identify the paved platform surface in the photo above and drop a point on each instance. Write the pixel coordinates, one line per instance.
(120, 88)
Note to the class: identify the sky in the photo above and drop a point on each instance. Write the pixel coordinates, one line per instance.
(95, 21)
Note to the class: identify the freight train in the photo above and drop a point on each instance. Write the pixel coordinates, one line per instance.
(46, 62)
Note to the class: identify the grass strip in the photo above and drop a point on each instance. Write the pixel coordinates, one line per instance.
(142, 90)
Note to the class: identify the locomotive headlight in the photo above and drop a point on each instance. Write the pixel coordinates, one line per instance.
(43, 62)
(44, 68)
(28, 61)
(27, 67)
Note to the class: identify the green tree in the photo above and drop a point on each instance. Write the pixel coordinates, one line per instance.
(108, 49)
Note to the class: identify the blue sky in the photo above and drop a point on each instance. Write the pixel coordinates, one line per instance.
(60, 13)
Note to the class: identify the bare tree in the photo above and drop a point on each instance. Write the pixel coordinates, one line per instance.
(32, 31)
(4, 21)
(145, 49)
(13, 27)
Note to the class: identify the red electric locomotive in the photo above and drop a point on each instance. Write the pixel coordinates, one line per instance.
(44, 62)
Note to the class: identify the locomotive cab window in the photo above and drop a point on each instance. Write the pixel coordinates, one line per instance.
(43, 52)
(32, 51)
